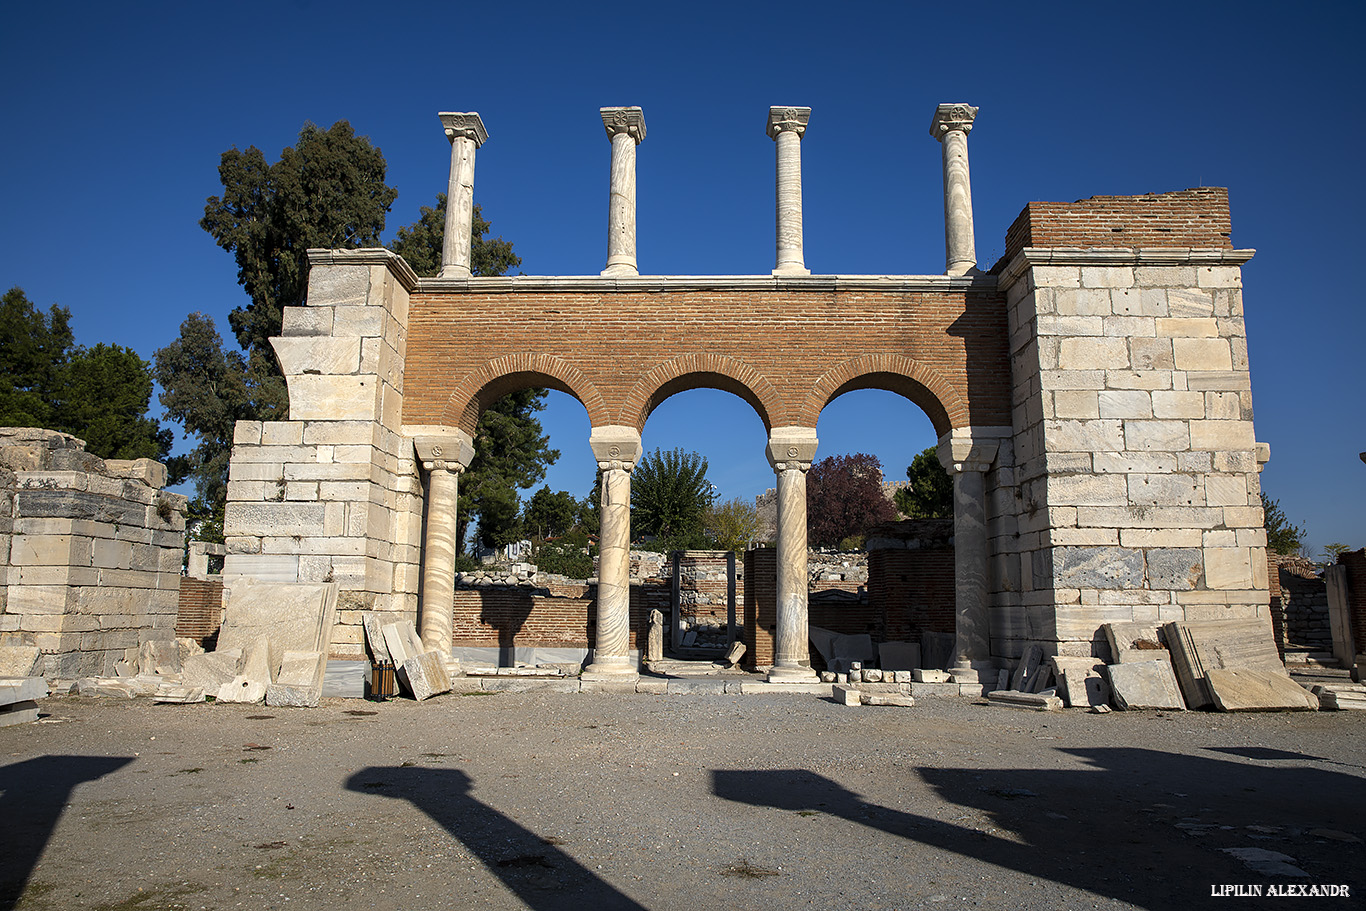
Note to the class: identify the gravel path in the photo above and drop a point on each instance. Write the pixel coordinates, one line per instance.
(583, 801)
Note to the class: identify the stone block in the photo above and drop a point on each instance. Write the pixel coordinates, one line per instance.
(19, 660)
(286, 696)
(897, 699)
(783, 689)
(1175, 568)
(302, 669)
(1243, 690)
(1038, 702)
(425, 675)
(939, 689)
(373, 622)
(1076, 404)
(209, 670)
(1093, 354)
(1156, 436)
(847, 695)
(242, 689)
(1084, 436)
(1221, 435)
(1129, 403)
(1098, 567)
(22, 689)
(1178, 405)
(1165, 490)
(1144, 685)
(1080, 680)
(927, 675)
(1228, 568)
(18, 713)
(652, 687)
(292, 616)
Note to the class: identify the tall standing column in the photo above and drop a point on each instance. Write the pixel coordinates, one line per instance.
(626, 129)
(967, 460)
(617, 450)
(466, 133)
(951, 125)
(444, 457)
(787, 126)
(790, 451)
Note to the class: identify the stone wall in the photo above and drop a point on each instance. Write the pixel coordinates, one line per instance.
(333, 494)
(1135, 462)
(92, 553)
(1299, 604)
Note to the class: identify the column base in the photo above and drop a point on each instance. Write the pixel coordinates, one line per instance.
(792, 675)
(963, 269)
(611, 670)
(974, 672)
(455, 272)
(627, 269)
(791, 269)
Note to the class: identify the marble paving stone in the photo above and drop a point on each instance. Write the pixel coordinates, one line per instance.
(1239, 690)
(898, 656)
(1144, 685)
(847, 695)
(887, 699)
(425, 676)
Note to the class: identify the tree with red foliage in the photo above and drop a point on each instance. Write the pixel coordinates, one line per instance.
(844, 498)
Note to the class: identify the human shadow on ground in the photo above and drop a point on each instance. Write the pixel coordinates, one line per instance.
(1139, 826)
(33, 794)
(544, 877)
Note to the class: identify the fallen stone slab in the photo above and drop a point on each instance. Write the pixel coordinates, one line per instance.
(898, 699)
(1123, 637)
(113, 688)
(209, 670)
(1131, 655)
(1237, 690)
(243, 690)
(940, 689)
(159, 656)
(14, 690)
(1080, 680)
(259, 663)
(19, 660)
(302, 669)
(1144, 685)
(179, 694)
(1200, 646)
(847, 695)
(145, 684)
(1024, 671)
(284, 695)
(425, 676)
(18, 713)
(401, 638)
(373, 622)
(735, 653)
(1018, 700)
(292, 616)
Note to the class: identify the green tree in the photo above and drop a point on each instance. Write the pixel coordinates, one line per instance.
(510, 453)
(99, 394)
(1281, 536)
(420, 243)
(732, 524)
(1331, 552)
(670, 495)
(844, 498)
(326, 191)
(930, 494)
(547, 515)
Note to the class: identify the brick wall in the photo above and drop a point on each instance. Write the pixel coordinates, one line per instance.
(912, 591)
(761, 605)
(200, 611)
(1355, 561)
(1299, 603)
(1189, 218)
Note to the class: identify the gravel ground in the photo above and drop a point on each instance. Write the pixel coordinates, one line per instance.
(583, 801)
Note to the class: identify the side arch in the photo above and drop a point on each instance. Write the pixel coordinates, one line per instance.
(512, 372)
(696, 371)
(894, 373)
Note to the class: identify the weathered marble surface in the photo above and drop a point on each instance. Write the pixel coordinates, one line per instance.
(626, 129)
(951, 125)
(786, 126)
(466, 133)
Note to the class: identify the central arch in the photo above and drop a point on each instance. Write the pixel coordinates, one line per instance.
(894, 373)
(514, 372)
(695, 371)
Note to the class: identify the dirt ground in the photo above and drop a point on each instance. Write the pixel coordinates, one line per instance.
(585, 801)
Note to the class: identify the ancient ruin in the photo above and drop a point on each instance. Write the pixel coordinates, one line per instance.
(1090, 389)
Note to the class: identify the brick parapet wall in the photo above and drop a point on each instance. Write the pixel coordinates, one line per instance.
(1188, 218)
(199, 611)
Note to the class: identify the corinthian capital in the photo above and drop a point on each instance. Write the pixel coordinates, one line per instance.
(950, 117)
(464, 126)
(630, 121)
(787, 118)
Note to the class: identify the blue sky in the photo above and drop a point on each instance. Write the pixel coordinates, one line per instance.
(117, 114)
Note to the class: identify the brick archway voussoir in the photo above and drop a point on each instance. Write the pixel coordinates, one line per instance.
(726, 373)
(941, 403)
(468, 400)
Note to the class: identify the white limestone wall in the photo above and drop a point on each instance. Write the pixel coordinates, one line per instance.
(333, 493)
(1135, 454)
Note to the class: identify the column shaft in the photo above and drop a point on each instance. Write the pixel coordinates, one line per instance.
(959, 243)
(612, 647)
(438, 561)
(455, 244)
(973, 640)
(791, 656)
(621, 212)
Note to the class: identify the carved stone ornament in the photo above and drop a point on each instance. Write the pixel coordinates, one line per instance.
(464, 125)
(616, 465)
(787, 118)
(439, 465)
(950, 117)
(630, 121)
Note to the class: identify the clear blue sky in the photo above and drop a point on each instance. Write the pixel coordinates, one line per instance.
(116, 115)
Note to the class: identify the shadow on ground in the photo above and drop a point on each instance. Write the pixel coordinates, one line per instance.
(533, 868)
(32, 796)
(1139, 826)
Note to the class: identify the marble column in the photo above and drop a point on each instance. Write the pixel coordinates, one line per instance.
(466, 133)
(617, 450)
(967, 461)
(786, 126)
(951, 125)
(626, 129)
(790, 451)
(444, 457)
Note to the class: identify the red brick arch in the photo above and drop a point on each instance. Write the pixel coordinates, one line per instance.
(894, 373)
(515, 372)
(698, 371)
